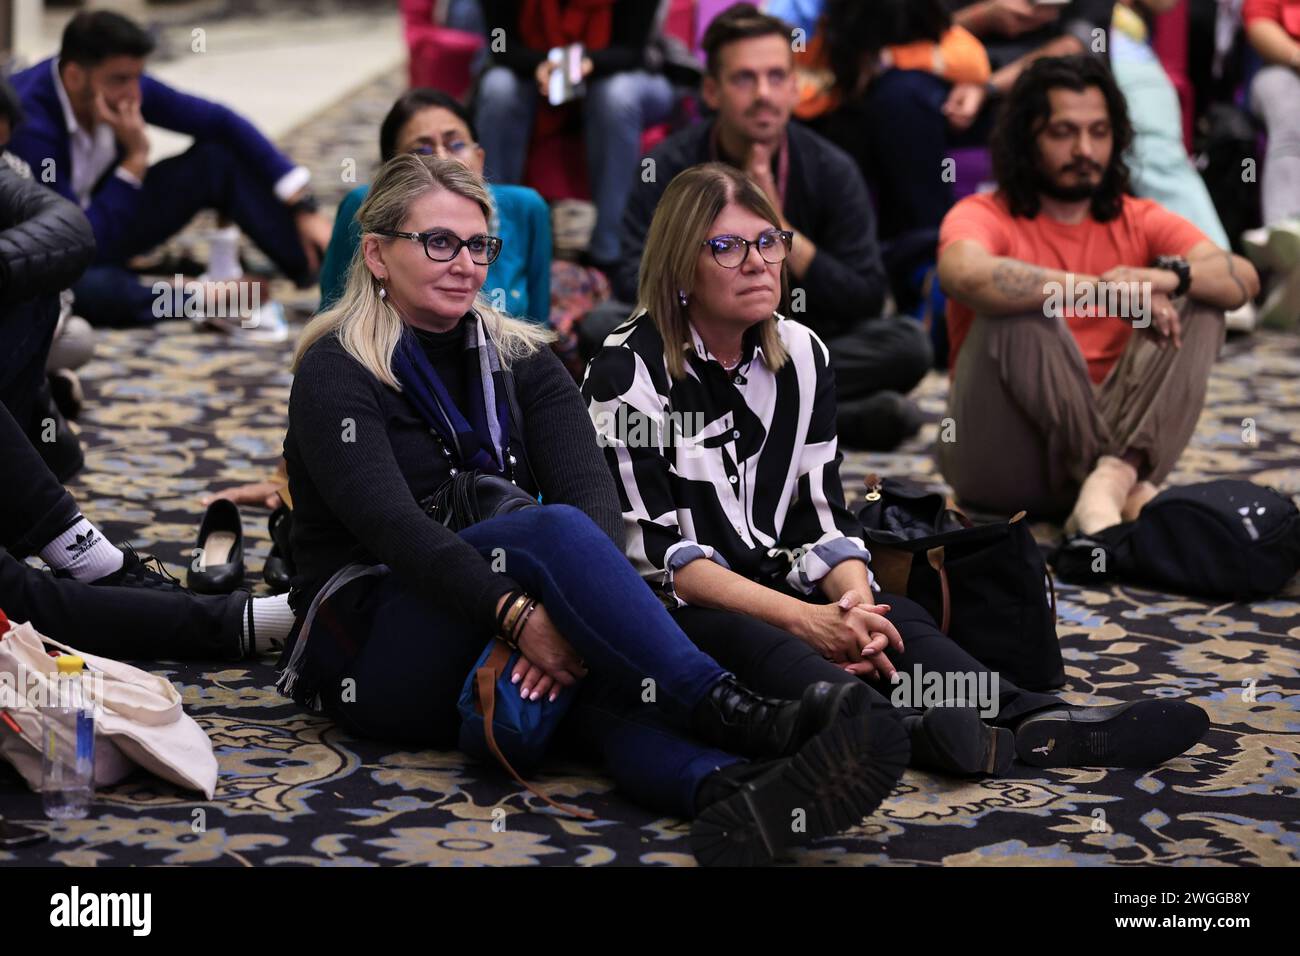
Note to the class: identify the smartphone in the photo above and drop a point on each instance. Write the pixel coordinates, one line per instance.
(13, 835)
(566, 77)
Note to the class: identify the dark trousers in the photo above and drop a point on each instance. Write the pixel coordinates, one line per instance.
(774, 662)
(205, 176)
(904, 168)
(109, 621)
(891, 353)
(634, 707)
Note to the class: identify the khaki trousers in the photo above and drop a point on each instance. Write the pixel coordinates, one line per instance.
(1028, 425)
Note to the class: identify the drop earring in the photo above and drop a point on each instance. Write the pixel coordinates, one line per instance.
(681, 297)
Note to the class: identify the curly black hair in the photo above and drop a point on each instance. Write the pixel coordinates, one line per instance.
(1025, 113)
(854, 30)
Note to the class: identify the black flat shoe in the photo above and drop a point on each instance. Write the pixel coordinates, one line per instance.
(955, 740)
(750, 815)
(278, 570)
(220, 548)
(1140, 734)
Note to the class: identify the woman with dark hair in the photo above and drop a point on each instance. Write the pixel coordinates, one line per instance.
(865, 62)
(718, 420)
(432, 123)
(418, 369)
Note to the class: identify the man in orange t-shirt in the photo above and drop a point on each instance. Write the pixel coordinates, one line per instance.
(1083, 321)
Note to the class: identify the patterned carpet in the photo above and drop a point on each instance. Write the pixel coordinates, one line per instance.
(173, 413)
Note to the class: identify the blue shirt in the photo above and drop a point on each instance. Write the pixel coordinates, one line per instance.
(518, 282)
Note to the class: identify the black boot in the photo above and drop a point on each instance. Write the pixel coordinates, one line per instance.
(751, 813)
(953, 739)
(735, 719)
(1141, 734)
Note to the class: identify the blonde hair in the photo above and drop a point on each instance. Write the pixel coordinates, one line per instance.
(686, 211)
(366, 324)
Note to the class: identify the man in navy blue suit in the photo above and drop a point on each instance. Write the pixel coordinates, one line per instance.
(84, 136)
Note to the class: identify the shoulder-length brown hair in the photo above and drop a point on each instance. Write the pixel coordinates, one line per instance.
(681, 223)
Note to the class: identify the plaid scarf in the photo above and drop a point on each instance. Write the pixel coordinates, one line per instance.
(478, 435)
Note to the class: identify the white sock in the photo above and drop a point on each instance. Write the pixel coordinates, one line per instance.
(223, 254)
(83, 552)
(272, 621)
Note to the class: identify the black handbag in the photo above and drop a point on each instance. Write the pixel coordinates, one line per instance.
(470, 496)
(987, 586)
(1226, 538)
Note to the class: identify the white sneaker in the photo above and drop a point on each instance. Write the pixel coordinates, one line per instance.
(1254, 242)
(1241, 319)
(265, 323)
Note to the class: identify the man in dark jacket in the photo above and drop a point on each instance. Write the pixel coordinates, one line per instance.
(838, 283)
(84, 135)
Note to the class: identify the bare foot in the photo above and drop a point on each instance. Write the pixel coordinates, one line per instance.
(1137, 499)
(265, 493)
(1102, 497)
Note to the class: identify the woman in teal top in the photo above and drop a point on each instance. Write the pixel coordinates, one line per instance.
(431, 122)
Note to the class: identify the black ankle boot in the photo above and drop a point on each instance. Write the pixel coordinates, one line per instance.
(735, 719)
(750, 813)
(954, 740)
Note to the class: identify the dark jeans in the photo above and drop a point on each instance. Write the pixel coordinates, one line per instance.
(110, 621)
(903, 168)
(410, 668)
(205, 176)
(774, 662)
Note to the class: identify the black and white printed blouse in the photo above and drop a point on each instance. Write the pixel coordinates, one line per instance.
(741, 470)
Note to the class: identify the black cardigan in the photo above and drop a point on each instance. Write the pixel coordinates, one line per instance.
(360, 458)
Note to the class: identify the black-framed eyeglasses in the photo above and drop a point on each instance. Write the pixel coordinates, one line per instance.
(730, 251)
(443, 245)
(453, 149)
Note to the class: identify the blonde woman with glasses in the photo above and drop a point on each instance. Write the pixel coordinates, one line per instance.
(718, 420)
(405, 383)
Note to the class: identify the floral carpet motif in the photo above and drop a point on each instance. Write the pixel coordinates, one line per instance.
(173, 413)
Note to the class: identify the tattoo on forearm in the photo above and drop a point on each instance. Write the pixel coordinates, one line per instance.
(1232, 274)
(1016, 280)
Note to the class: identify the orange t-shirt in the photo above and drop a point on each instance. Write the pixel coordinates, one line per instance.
(1141, 232)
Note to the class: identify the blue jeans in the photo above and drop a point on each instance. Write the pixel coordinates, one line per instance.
(411, 665)
(206, 176)
(615, 111)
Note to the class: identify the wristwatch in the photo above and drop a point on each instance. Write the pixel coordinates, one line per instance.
(1180, 267)
(307, 202)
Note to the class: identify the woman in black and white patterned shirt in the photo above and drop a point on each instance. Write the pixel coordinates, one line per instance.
(717, 418)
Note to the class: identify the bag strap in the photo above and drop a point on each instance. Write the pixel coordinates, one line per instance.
(935, 557)
(485, 679)
(517, 420)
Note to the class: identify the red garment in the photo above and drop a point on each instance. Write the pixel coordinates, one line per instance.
(1143, 231)
(546, 24)
(550, 23)
(1285, 13)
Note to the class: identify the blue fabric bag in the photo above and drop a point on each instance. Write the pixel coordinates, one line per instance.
(496, 723)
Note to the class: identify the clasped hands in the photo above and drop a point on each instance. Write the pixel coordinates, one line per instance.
(853, 633)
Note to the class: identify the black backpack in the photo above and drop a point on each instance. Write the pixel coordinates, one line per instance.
(1218, 539)
(988, 585)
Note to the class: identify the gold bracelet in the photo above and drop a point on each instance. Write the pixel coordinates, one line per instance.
(512, 616)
